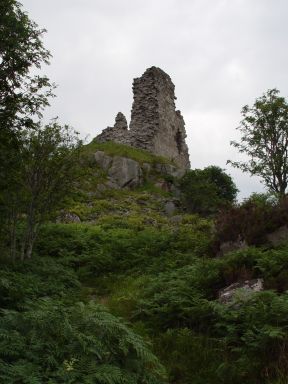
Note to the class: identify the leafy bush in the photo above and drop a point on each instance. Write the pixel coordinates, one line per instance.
(179, 298)
(255, 331)
(53, 343)
(118, 248)
(206, 191)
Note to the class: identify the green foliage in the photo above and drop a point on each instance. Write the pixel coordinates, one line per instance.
(190, 357)
(42, 180)
(176, 299)
(255, 330)
(120, 245)
(21, 94)
(206, 191)
(34, 279)
(264, 130)
(241, 342)
(55, 343)
(161, 279)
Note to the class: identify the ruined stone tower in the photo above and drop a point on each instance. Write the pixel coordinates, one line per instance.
(155, 124)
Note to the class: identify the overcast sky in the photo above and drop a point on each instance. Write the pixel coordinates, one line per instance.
(220, 54)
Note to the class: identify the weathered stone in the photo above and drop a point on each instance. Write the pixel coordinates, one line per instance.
(102, 160)
(155, 124)
(170, 170)
(125, 172)
(279, 236)
(227, 294)
(119, 133)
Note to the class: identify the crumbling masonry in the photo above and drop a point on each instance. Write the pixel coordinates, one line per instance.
(155, 124)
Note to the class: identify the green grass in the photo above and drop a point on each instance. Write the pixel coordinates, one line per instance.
(115, 149)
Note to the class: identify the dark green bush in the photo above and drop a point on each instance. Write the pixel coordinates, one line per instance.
(207, 190)
(191, 357)
(255, 331)
(97, 250)
(33, 279)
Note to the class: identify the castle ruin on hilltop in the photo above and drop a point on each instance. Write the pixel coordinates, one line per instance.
(155, 124)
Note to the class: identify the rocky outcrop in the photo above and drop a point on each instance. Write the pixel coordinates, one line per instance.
(248, 287)
(123, 172)
(155, 124)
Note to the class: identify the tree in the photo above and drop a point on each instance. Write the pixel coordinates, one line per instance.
(264, 130)
(48, 164)
(22, 95)
(206, 190)
(37, 164)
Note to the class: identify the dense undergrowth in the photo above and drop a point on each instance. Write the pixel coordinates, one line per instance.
(131, 295)
(163, 281)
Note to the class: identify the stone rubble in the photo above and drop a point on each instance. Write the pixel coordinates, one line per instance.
(248, 287)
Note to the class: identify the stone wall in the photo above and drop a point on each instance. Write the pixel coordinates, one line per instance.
(155, 124)
(119, 133)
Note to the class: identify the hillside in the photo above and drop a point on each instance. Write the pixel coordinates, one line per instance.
(121, 263)
(147, 278)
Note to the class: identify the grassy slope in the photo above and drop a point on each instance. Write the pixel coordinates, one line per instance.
(115, 149)
(160, 275)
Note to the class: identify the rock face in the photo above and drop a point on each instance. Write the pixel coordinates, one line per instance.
(227, 294)
(155, 124)
(123, 172)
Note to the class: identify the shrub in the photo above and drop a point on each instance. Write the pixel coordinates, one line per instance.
(255, 330)
(206, 191)
(34, 279)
